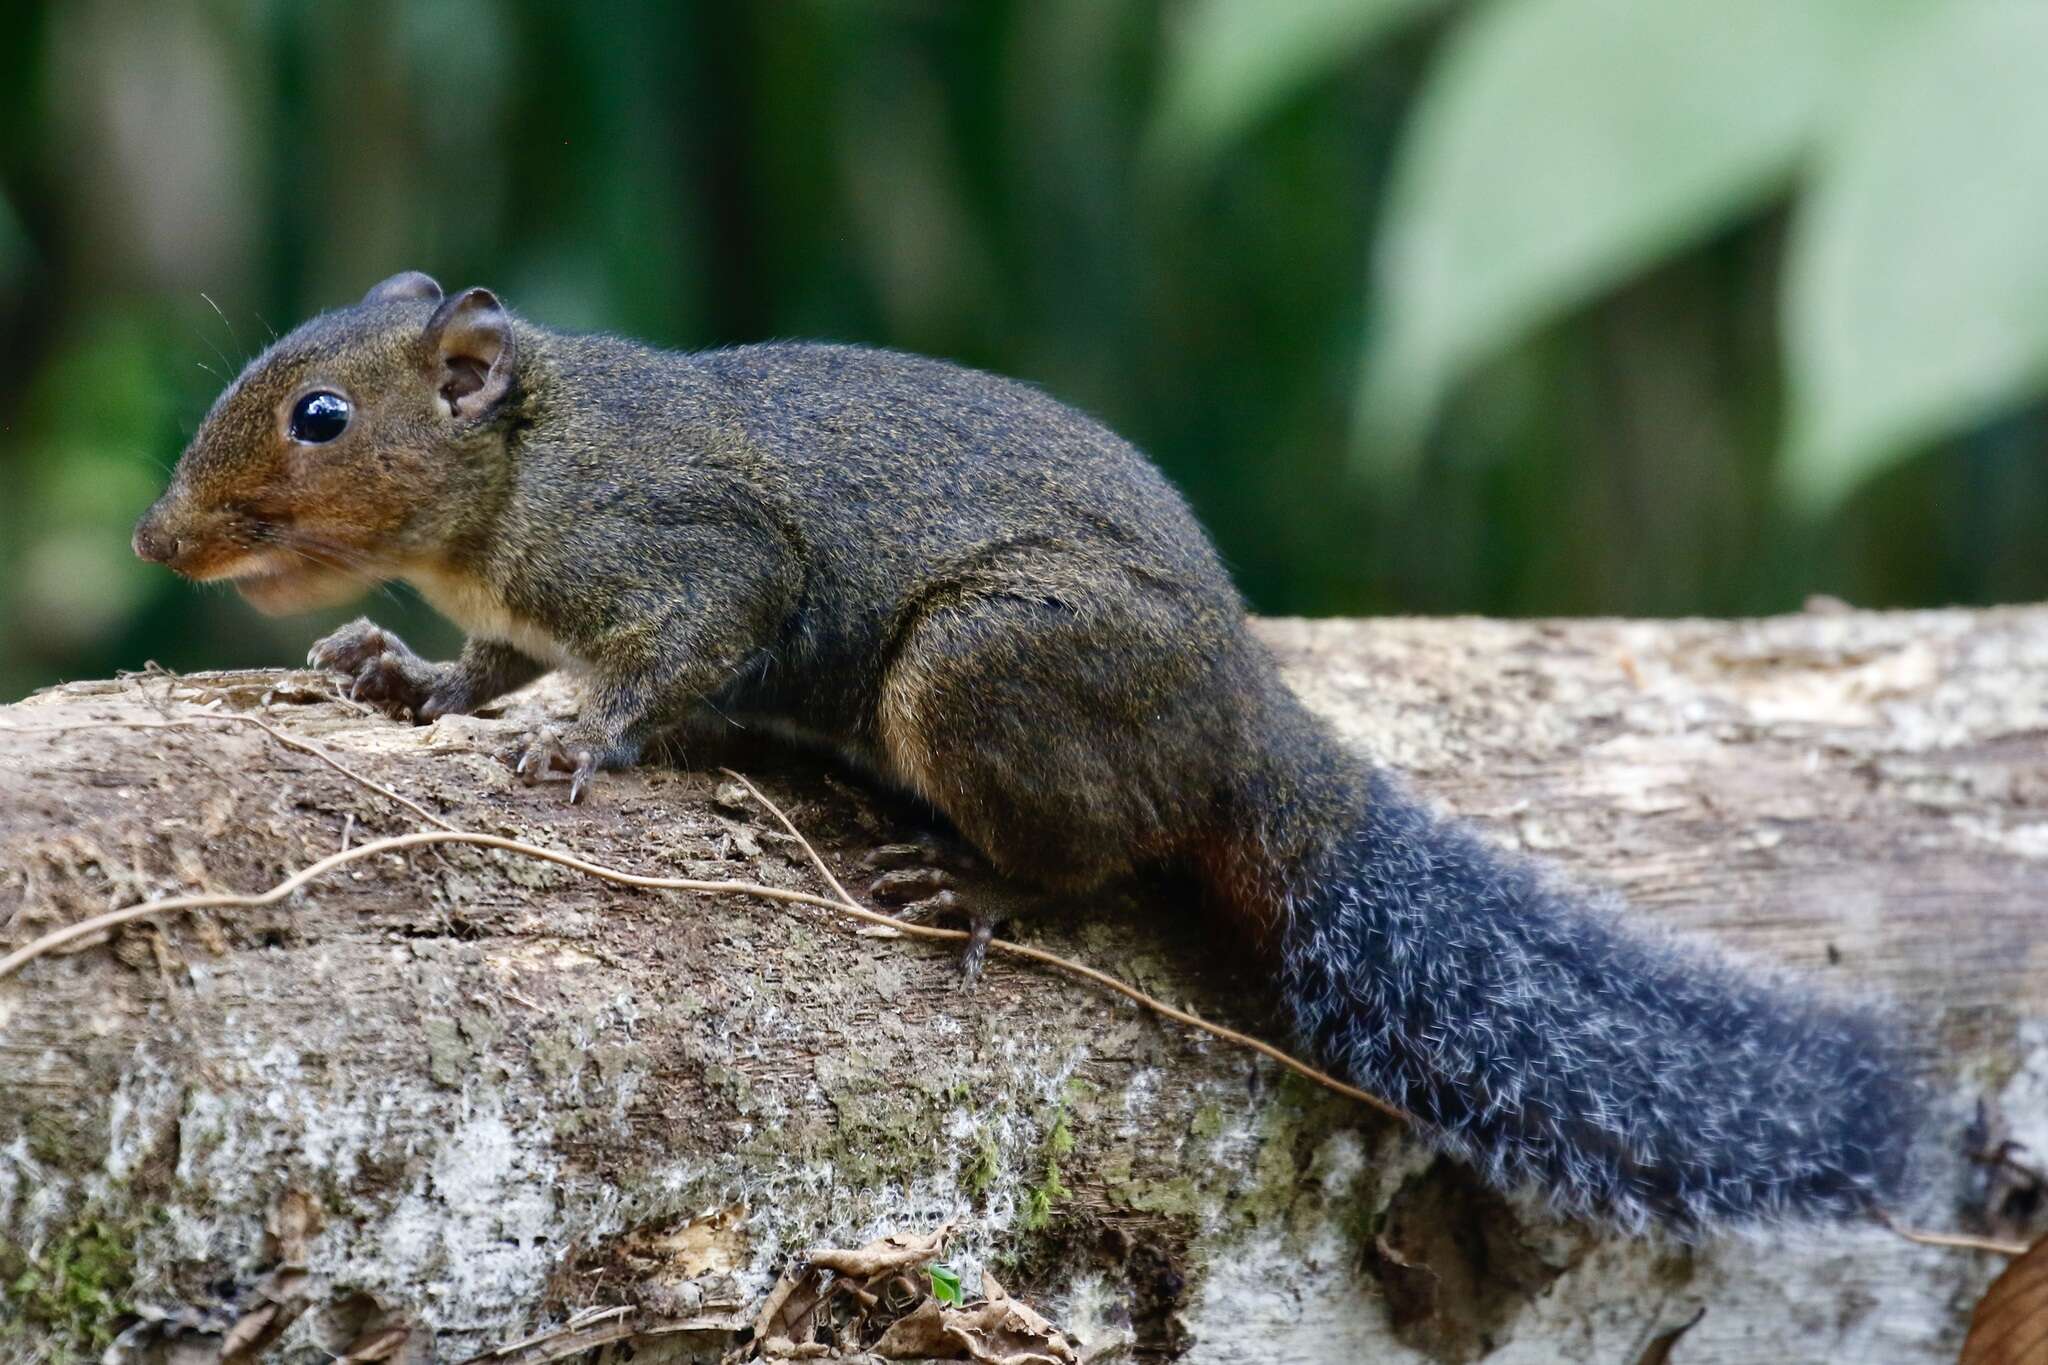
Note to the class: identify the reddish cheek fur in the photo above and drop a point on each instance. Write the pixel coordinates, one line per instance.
(343, 497)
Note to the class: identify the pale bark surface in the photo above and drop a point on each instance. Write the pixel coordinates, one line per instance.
(504, 1093)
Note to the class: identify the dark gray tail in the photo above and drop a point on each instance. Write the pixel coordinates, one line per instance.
(1633, 1081)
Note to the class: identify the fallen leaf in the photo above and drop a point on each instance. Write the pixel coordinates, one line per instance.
(251, 1332)
(293, 1221)
(1003, 1331)
(997, 1330)
(713, 1242)
(884, 1256)
(2010, 1326)
(798, 1313)
(782, 1308)
(921, 1334)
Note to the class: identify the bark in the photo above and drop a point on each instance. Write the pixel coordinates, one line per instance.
(458, 1097)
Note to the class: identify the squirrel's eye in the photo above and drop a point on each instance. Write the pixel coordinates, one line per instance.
(319, 417)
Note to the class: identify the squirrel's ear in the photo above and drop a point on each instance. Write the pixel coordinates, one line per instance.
(470, 353)
(406, 284)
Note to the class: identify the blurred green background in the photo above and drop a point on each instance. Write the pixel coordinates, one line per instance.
(1508, 306)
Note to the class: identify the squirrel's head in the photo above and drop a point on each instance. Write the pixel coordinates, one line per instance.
(345, 451)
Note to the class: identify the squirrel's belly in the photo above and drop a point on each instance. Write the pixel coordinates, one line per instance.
(475, 606)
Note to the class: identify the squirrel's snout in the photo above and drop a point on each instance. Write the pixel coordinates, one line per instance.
(152, 541)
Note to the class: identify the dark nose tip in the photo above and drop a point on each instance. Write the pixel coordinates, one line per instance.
(152, 542)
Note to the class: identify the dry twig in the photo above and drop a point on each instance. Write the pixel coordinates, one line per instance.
(1964, 1241)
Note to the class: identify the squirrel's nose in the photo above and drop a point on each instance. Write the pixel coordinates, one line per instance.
(152, 542)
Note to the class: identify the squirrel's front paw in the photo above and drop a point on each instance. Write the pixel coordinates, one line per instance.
(574, 756)
(379, 667)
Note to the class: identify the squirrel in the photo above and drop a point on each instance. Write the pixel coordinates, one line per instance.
(997, 604)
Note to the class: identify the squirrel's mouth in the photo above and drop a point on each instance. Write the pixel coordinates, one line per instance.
(302, 587)
(276, 582)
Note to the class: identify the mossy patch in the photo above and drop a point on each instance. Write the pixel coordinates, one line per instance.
(1301, 1175)
(1041, 1198)
(888, 1122)
(76, 1289)
(1172, 1198)
(983, 1165)
(1207, 1124)
(70, 1140)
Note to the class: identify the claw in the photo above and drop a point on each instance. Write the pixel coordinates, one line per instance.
(892, 857)
(980, 930)
(911, 879)
(539, 755)
(586, 767)
(547, 758)
(908, 884)
(980, 927)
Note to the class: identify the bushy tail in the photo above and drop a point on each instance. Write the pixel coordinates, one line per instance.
(1533, 1037)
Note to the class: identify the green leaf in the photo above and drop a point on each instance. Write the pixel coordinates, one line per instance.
(1229, 62)
(945, 1283)
(1916, 294)
(1563, 145)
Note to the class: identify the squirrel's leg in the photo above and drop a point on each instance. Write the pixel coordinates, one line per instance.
(679, 631)
(485, 671)
(383, 671)
(1069, 736)
(641, 679)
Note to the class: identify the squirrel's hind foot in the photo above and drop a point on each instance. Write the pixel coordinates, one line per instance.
(910, 878)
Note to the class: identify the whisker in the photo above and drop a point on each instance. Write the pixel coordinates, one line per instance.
(232, 338)
(219, 354)
(317, 559)
(325, 554)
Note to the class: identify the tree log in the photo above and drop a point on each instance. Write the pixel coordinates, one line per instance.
(461, 1098)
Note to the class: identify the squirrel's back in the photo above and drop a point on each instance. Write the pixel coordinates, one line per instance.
(941, 461)
(876, 444)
